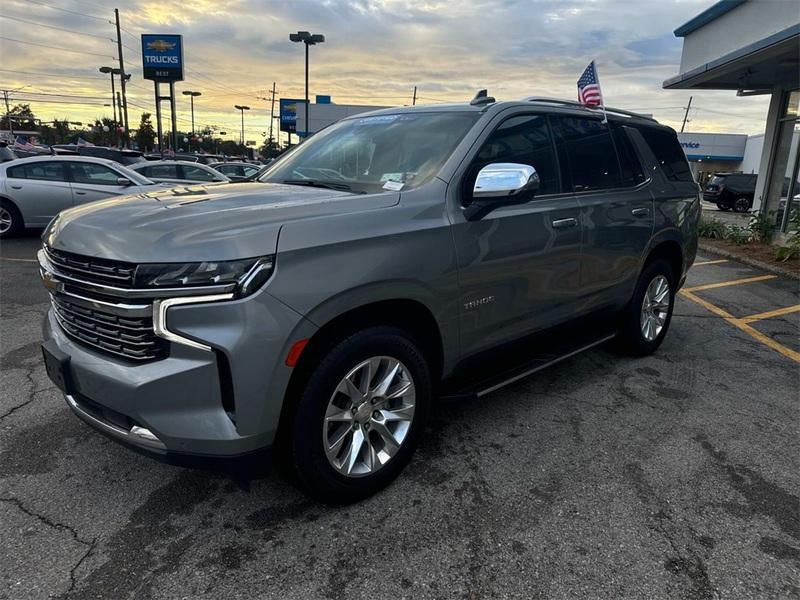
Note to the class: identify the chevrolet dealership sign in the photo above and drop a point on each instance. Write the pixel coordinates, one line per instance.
(162, 57)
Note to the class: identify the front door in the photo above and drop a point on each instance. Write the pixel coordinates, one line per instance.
(91, 181)
(519, 265)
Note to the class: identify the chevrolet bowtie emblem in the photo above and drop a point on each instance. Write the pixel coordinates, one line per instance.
(160, 45)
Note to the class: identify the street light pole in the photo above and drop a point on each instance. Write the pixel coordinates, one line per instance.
(110, 70)
(242, 109)
(309, 40)
(192, 95)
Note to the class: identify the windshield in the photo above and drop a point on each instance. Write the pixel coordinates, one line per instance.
(135, 177)
(369, 154)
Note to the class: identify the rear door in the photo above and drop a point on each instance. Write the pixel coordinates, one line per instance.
(91, 181)
(518, 265)
(600, 165)
(160, 172)
(194, 173)
(40, 190)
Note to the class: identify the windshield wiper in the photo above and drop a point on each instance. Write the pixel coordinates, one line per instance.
(331, 185)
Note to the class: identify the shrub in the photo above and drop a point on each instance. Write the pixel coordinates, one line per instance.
(762, 227)
(791, 249)
(737, 235)
(711, 228)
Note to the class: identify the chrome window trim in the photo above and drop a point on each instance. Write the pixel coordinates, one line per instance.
(160, 308)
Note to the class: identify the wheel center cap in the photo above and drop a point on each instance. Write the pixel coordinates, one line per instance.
(364, 412)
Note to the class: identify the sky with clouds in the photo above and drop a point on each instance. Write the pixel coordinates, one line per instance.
(375, 53)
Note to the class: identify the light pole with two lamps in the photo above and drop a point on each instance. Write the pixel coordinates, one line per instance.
(241, 108)
(192, 95)
(309, 39)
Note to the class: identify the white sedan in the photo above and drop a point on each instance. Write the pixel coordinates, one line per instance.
(34, 190)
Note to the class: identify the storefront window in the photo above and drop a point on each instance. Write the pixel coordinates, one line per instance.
(783, 188)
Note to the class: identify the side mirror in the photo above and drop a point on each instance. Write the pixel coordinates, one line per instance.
(123, 181)
(501, 183)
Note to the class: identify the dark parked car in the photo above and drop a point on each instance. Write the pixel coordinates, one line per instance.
(731, 191)
(395, 257)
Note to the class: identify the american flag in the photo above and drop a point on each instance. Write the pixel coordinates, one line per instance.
(589, 93)
(23, 144)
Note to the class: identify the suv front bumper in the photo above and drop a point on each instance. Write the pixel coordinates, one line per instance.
(223, 402)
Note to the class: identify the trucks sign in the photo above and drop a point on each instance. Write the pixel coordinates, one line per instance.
(162, 57)
(288, 110)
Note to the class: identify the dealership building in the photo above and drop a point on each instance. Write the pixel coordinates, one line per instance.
(752, 47)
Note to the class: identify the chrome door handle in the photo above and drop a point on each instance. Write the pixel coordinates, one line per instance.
(640, 212)
(16, 187)
(562, 223)
(80, 193)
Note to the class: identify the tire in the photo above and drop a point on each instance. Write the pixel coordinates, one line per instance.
(11, 222)
(742, 204)
(723, 207)
(633, 337)
(321, 418)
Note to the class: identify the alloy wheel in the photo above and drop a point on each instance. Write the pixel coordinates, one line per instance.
(655, 308)
(368, 416)
(6, 220)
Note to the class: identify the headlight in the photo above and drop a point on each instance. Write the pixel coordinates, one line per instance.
(248, 274)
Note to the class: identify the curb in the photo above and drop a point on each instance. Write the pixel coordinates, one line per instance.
(749, 261)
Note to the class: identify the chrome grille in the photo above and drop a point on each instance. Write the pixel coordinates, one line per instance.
(130, 337)
(95, 270)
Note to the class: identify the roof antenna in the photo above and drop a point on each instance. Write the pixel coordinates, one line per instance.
(481, 98)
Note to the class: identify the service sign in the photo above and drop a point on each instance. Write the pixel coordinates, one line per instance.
(288, 110)
(162, 57)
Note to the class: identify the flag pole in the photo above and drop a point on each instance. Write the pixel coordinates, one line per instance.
(603, 105)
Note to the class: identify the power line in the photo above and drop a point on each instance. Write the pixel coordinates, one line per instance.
(60, 75)
(74, 12)
(94, 35)
(2, 37)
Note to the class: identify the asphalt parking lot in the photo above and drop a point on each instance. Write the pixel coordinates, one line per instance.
(674, 476)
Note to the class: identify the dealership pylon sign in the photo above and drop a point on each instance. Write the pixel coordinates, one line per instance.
(162, 57)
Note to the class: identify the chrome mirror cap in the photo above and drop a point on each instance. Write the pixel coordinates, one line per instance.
(505, 179)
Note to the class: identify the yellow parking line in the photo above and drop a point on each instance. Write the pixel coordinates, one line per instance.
(710, 262)
(713, 286)
(18, 259)
(772, 313)
(743, 326)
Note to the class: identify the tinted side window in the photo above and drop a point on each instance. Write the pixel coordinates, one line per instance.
(165, 171)
(668, 152)
(525, 140)
(632, 173)
(91, 173)
(46, 171)
(587, 154)
(196, 173)
(17, 172)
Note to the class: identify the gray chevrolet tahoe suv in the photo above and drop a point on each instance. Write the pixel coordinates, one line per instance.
(393, 258)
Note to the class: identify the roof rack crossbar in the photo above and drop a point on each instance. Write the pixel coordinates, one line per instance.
(573, 104)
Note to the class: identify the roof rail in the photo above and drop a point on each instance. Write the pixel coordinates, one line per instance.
(573, 104)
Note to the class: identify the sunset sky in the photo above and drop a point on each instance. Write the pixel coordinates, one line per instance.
(375, 53)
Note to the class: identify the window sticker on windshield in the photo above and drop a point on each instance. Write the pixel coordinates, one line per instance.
(392, 177)
(377, 120)
(393, 186)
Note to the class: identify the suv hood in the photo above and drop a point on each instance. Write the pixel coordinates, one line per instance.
(222, 221)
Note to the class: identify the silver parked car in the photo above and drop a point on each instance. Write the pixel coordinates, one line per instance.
(179, 171)
(34, 190)
(236, 171)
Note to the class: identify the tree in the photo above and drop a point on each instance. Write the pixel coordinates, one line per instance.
(145, 135)
(22, 117)
(57, 132)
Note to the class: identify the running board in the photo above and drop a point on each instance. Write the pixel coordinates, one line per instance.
(472, 384)
(543, 364)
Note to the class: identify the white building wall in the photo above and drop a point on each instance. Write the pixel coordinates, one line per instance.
(322, 115)
(752, 154)
(750, 22)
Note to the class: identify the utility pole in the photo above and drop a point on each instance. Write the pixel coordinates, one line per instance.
(119, 103)
(271, 116)
(686, 115)
(8, 114)
(414, 99)
(123, 79)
